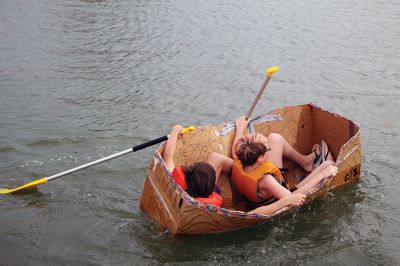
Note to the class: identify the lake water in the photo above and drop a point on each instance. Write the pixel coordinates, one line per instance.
(80, 80)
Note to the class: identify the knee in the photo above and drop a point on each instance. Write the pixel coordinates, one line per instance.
(274, 137)
(219, 160)
(214, 157)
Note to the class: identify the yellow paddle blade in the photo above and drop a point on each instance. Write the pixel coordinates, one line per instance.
(270, 71)
(26, 186)
(187, 129)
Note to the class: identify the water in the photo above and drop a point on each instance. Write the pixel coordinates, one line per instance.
(80, 80)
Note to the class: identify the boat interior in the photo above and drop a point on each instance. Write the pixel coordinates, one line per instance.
(302, 126)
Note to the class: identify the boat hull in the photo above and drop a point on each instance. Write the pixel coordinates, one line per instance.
(302, 126)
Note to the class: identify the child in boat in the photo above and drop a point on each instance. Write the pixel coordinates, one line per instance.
(198, 179)
(257, 162)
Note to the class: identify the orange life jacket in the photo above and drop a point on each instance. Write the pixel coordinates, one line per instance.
(179, 177)
(247, 182)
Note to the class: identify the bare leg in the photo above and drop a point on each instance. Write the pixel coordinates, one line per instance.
(326, 169)
(281, 148)
(220, 163)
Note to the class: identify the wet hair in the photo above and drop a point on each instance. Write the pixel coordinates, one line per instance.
(250, 147)
(200, 179)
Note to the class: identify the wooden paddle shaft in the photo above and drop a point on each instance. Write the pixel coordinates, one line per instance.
(258, 97)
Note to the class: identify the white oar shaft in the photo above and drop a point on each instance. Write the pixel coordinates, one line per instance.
(43, 180)
(118, 154)
(115, 155)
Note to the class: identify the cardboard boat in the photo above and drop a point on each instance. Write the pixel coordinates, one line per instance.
(302, 126)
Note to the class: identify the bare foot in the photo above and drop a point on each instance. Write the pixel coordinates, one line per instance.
(312, 157)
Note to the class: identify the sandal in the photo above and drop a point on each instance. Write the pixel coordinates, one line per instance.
(318, 158)
(326, 153)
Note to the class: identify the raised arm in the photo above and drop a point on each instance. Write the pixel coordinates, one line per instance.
(170, 147)
(241, 124)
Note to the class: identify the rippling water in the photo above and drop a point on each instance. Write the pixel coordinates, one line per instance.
(80, 80)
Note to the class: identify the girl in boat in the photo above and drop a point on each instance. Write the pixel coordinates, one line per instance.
(257, 164)
(199, 179)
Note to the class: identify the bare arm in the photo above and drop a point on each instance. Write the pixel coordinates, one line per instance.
(241, 124)
(323, 171)
(170, 147)
(269, 186)
(289, 200)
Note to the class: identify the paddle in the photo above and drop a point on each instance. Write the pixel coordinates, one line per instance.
(43, 180)
(270, 71)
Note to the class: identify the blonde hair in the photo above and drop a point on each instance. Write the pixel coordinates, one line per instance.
(250, 147)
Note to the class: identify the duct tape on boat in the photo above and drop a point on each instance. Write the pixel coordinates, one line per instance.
(156, 160)
(259, 119)
(155, 164)
(344, 158)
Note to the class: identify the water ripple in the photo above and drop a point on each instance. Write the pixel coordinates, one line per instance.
(82, 79)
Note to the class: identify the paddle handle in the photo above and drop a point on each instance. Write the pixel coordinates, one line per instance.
(149, 143)
(118, 154)
(270, 71)
(257, 98)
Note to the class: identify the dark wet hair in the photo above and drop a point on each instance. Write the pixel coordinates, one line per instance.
(200, 179)
(249, 148)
